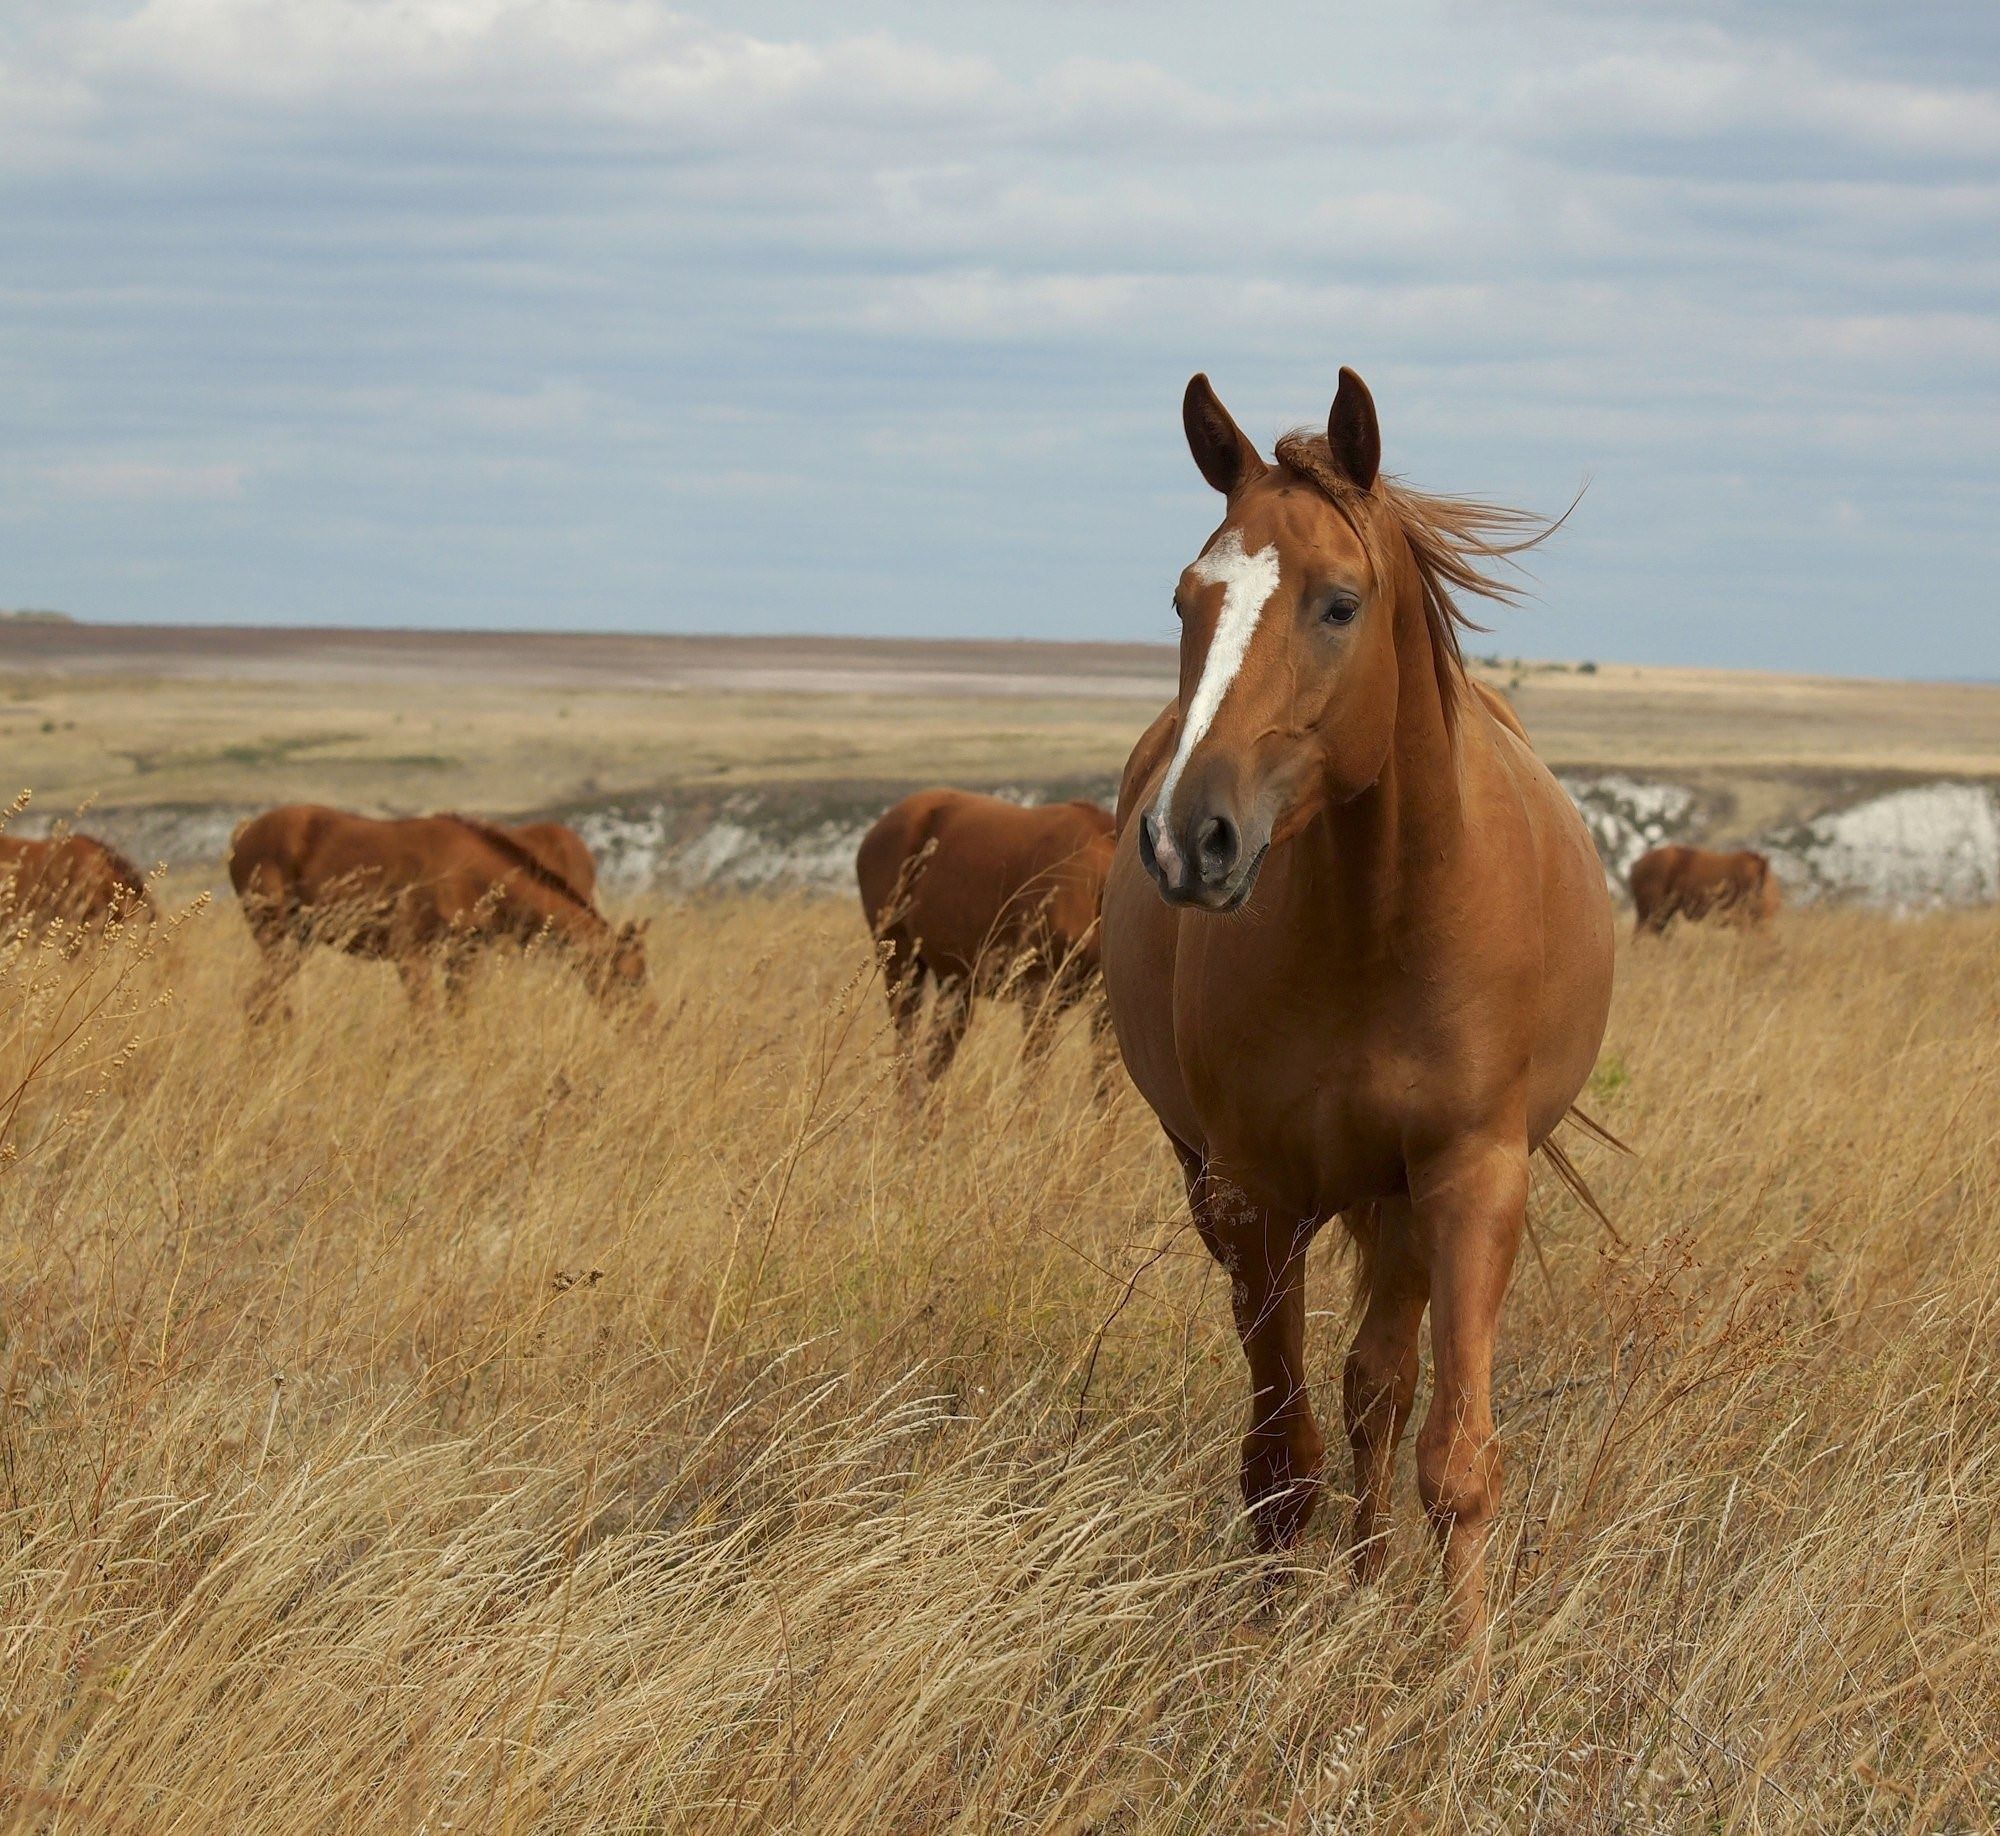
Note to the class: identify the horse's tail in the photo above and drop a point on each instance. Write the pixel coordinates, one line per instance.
(1571, 1177)
(1363, 1223)
(1591, 1126)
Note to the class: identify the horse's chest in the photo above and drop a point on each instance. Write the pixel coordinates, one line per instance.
(1311, 1086)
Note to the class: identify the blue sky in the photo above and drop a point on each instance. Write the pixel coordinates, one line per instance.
(875, 318)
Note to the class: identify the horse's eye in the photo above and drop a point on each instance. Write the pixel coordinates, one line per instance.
(1340, 609)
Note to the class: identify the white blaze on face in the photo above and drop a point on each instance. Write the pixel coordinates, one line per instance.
(1247, 583)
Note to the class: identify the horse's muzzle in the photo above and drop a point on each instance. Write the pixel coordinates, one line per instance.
(1207, 866)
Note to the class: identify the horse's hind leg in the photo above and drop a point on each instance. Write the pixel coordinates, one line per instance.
(1284, 1453)
(270, 992)
(280, 955)
(903, 984)
(948, 1023)
(276, 930)
(1380, 1381)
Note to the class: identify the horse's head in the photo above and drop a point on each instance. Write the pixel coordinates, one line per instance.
(1765, 893)
(619, 972)
(1288, 653)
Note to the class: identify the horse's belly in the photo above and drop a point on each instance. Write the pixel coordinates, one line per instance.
(1578, 949)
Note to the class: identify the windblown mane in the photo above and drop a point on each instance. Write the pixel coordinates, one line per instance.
(1452, 540)
(501, 842)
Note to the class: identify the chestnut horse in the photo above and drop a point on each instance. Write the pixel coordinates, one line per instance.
(559, 847)
(984, 897)
(1358, 950)
(72, 880)
(1694, 883)
(404, 891)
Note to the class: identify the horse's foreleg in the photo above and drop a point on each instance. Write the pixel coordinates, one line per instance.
(1380, 1381)
(1284, 1452)
(1471, 1207)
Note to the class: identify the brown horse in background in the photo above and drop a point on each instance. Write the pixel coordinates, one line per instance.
(409, 891)
(1358, 949)
(984, 897)
(561, 849)
(1695, 883)
(71, 880)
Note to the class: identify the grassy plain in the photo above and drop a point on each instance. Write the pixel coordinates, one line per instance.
(539, 1423)
(400, 722)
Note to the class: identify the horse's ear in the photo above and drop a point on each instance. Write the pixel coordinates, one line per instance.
(1221, 449)
(1353, 434)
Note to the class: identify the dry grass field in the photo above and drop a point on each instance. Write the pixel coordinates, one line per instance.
(532, 1421)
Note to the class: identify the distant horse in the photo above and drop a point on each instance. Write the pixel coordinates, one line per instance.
(1358, 950)
(984, 897)
(556, 845)
(72, 880)
(1695, 883)
(410, 891)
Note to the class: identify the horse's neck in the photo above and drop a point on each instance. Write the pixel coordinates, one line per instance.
(1383, 849)
(545, 905)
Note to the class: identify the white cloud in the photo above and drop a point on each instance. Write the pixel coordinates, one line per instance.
(1719, 94)
(536, 269)
(143, 481)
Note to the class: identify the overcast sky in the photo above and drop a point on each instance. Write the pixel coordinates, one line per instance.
(875, 317)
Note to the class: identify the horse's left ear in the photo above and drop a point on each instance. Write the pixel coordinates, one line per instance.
(1352, 432)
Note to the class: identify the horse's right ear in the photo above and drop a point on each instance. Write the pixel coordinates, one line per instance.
(1221, 449)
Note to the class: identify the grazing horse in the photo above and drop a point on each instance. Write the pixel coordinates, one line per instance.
(559, 847)
(405, 890)
(984, 897)
(72, 880)
(1694, 883)
(1358, 950)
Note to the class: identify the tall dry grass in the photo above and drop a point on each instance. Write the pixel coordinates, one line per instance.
(527, 1422)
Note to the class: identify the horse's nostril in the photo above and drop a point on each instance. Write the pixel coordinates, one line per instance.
(1216, 847)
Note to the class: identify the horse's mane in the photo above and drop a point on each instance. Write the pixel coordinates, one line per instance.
(524, 858)
(1452, 540)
